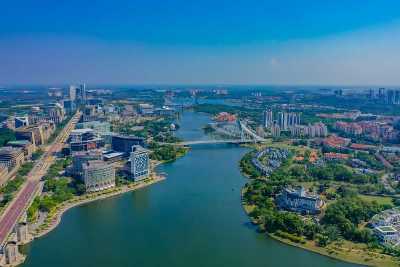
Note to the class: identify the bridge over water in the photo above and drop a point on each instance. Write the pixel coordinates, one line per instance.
(244, 135)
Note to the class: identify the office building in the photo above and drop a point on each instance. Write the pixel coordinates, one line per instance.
(11, 157)
(99, 127)
(80, 158)
(21, 121)
(124, 144)
(98, 175)
(113, 156)
(299, 200)
(54, 113)
(26, 146)
(3, 172)
(140, 163)
(146, 109)
(84, 140)
(37, 134)
(69, 106)
(81, 94)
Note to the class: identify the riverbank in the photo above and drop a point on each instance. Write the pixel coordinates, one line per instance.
(342, 250)
(54, 218)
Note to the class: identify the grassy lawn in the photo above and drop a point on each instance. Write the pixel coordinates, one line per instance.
(347, 251)
(379, 199)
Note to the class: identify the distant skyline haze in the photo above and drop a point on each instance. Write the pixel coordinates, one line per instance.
(200, 42)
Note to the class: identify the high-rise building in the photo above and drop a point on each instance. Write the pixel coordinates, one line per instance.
(140, 163)
(69, 106)
(275, 130)
(315, 130)
(288, 119)
(72, 92)
(78, 93)
(98, 175)
(81, 94)
(268, 118)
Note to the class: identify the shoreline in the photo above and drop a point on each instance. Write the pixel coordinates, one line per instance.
(368, 258)
(81, 200)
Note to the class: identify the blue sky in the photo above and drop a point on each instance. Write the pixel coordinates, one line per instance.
(194, 42)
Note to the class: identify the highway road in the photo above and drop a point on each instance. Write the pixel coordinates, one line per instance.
(23, 198)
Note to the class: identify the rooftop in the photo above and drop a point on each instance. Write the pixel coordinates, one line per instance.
(19, 142)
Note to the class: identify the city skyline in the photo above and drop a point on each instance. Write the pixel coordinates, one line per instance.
(132, 42)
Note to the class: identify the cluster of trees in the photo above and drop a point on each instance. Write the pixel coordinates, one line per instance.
(6, 135)
(247, 166)
(36, 155)
(166, 152)
(370, 160)
(330, 172)
(158, 129)
(348, 213)
(340, 221)
(13, 185)
(58, 189)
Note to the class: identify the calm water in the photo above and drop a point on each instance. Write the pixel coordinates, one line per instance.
(194, 218)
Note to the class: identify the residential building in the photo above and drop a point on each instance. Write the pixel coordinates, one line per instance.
(275, 130)
(336, 156)
(98, 175)
(140, 163)
(288, 119)
(268, 118)
(334, 141)
(314, 130)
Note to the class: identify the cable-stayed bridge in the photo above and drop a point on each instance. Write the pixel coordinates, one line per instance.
(238, 133)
